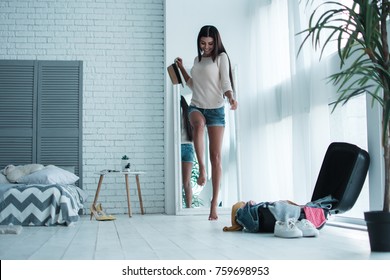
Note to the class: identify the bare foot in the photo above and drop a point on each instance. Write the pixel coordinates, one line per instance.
(213, 214)
(202, 177)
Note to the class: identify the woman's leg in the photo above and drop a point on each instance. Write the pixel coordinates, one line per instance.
(198, 124)
(186, 170)
(215, 139)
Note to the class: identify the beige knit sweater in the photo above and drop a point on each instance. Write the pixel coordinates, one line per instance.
(209, 81)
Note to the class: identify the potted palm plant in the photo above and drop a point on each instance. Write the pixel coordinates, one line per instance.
(360, 31)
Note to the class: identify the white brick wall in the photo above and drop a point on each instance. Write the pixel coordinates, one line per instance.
(121, 43)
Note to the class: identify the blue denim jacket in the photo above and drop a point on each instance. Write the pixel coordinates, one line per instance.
(248, 216)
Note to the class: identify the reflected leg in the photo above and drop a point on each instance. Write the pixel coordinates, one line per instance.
(186, 169)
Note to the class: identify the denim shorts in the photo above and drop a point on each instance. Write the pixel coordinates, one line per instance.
(187, 153)
(214, 117)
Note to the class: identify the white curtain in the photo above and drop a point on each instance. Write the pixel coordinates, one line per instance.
(284, 118)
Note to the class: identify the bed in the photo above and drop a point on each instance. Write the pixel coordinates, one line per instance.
(43, 198)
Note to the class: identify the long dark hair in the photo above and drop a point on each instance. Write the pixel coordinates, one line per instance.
(212, 31)
(186, 122)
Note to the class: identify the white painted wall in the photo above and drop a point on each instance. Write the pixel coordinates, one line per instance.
(121, 43)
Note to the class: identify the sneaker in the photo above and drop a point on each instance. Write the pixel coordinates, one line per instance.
(307, 228)
(287, 229)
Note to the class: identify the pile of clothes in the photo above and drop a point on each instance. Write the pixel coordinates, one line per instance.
(284, 218)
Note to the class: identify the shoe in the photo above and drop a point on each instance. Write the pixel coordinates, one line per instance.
(287, 229)
(98, 213)
(307, 228)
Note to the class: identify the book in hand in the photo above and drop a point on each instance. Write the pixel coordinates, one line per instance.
(174, 74)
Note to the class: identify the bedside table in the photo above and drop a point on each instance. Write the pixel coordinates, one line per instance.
(126, 176)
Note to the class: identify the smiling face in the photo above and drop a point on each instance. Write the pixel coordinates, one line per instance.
(206, 44)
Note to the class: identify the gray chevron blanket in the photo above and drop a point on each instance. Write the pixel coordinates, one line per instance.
(40, 205)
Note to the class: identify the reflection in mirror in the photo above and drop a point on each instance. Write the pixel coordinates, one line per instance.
(187, 155)
(189, 192)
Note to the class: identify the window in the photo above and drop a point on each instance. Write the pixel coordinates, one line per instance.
(348, 123)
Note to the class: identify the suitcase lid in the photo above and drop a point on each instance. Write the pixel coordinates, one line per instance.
(342, 175)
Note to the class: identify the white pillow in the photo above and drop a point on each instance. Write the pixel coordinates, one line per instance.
(50, 175)
(3, 179)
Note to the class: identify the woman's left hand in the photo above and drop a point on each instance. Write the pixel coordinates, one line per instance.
(233, 104)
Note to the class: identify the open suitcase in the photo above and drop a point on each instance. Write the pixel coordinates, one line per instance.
(342, 175)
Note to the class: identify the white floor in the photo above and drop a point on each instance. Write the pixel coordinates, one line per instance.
(163, 237)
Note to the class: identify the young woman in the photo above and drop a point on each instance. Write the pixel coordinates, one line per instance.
(187, 152)
(210, 81)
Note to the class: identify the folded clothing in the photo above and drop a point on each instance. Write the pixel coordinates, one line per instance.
(284, 210)
(315, 215)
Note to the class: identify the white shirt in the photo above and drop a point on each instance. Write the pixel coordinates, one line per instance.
(209, 81)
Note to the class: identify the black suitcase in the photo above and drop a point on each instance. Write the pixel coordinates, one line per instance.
(342, 175)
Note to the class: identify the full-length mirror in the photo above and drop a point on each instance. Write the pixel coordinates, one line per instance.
(199, 200)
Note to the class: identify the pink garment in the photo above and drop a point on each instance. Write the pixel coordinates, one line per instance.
(315, 215)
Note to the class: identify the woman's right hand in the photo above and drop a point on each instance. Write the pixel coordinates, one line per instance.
(179, 62)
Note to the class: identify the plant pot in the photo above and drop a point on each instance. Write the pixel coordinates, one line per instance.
(125, 164)
(378, 227)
